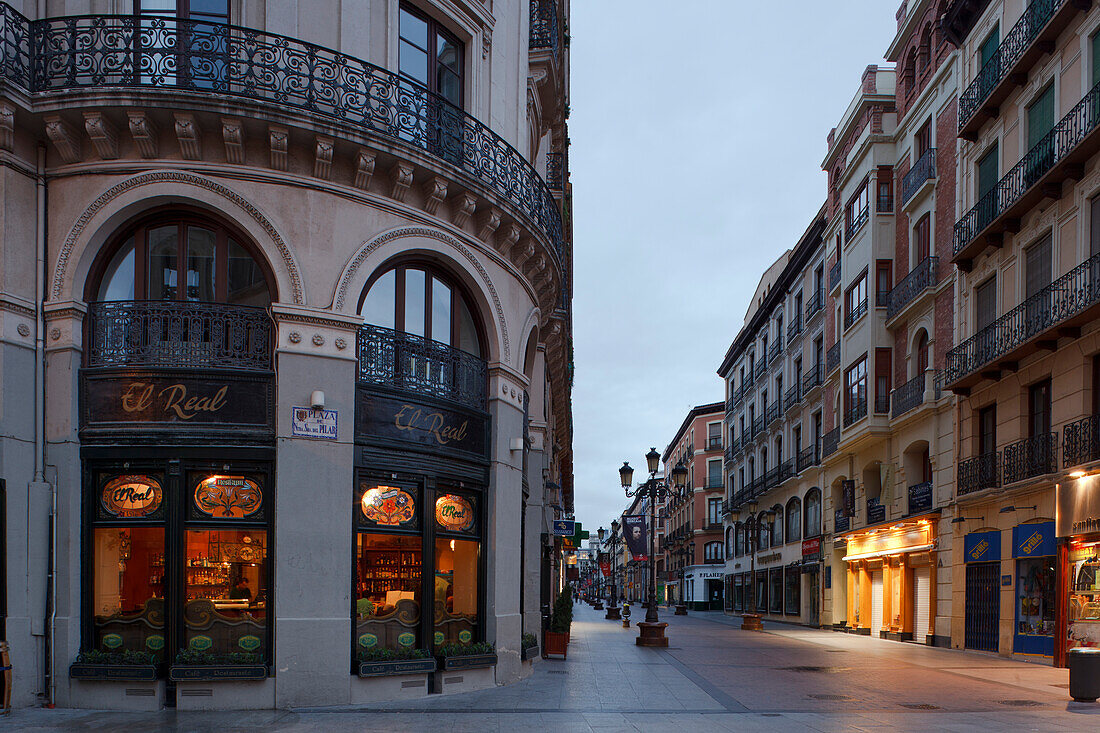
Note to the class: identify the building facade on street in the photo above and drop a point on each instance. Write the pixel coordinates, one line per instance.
(286, 326)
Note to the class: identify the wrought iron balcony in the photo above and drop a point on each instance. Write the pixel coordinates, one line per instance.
(882, 404)
(773, 412)
(728, 454)
(1081, 441)
(1065, 303)
(793, 396)
(978, 473)
(771, 478)
(775, 350)
(557, 171)
(795, 328)
(714, 482)
(856, 411)
(1017, 50)
(816, 304)
(1030, 457)
(834, 275)
(409, 363)
(761, 367)
(813, 378)
(919, 279)
(544, 25)
(714, 443)
(807, 457)
(178, 335)
(758, 426)
(923, 170)
(748, 379)
(907, 397)
(876, 511)
(731, 404)
(850, 317)
(856, 224)
(786, 470)
(832, 358)
(1059, 155)
(830, 442)
(203, 57)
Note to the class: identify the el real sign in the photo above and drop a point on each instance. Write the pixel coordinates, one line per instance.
(563, 527)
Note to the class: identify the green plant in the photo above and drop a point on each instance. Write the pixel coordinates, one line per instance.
(464, 650)
(530, 640)
(207, 658)
(124, 656)
(561, 619)
(379, 654)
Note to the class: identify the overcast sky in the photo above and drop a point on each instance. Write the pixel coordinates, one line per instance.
(698, 129)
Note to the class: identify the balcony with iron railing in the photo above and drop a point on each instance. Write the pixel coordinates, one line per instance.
(908, 396)
(758, 426)
(794, 329)
(830, 442)
(832, 358)
(1059, 155)
(922, 172)
(408, 363)
(978, 473)
(882, 404)
(1058, 309)
(807, 458)
(761, 367)
(856, 224)
(793, 395)
(855, 411)
(775, 350)
(245, 71)
(1030, 457)
(786, 470)
(835, 273)
(714, 482)
(1026, 42)
(544, 25)
(155, 334)
(813, 378)
(920, 279)
(1081, 441)
(728, 454)
(816, 304)
(853, 315)
(773, 413)
(714, 443)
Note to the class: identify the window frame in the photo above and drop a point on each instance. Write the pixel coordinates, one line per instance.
(435, 29)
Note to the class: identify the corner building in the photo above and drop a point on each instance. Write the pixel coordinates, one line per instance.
(286, 323)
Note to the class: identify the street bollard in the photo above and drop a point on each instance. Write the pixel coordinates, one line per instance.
(1084, 673)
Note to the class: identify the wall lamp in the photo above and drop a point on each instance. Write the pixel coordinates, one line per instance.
(960, 520)
(1011, 508)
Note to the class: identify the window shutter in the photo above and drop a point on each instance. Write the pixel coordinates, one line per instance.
(1040, 117)
(989, 47)
(988, 168)
(986, 303)
(1038, 267)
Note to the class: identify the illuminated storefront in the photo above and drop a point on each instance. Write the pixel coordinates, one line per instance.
(1078, 529)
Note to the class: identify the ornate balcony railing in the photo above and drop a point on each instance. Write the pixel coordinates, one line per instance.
(905, 292)
(775, 350)
(748, 380)
(923, 170)
(557, 171)
(807, 457)
(793, 396)
(544, 25)
(111, 51)
(758, 426)
(1081, 441)
(856, 224)
(856, 411)
(907, 397)
(882, 404)
(817, 302)
(173, 334)
(978, 473)
(850, 317)
(832, 358)
(411, 363)
(773, 412)
(786, 470)
(761, 367)
(1015, 42)
(795, 328)
(1030, 457)
(728, 454)
(1066, 297)
(830, 442)
(714, 443)
(1081, 121)
(812, 378)
(834, 275)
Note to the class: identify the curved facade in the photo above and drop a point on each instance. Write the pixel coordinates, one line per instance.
(286, 344)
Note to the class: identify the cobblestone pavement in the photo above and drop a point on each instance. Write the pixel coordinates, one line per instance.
(713, 677)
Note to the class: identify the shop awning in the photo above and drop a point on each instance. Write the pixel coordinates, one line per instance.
(888, 552)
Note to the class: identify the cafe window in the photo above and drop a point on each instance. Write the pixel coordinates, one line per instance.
(776, 595)
(794, 519)
(793, 591)
(812, 521)
(179, 256)
(193, 580)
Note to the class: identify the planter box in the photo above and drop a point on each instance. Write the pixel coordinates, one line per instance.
(113, 672)
(555, 642)
(214, 672)
(400, 666)
(529, 652)
(474, 661)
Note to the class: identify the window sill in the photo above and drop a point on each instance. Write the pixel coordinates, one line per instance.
(217, 672)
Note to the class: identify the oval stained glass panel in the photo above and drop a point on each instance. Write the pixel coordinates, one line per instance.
(131, 496)
(228, 497)
(454, 513)
(388, 505)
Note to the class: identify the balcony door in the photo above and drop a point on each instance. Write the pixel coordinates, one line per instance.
(183, 42)
(1037, 278)
(432, 59)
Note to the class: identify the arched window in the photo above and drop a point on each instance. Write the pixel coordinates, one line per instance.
(920, 351)
(181, 256)
(812, 522)
(924, 55)
(729, 542)
(909, 75)
(777, 528)
(794, 520)
(424, 301)
(763, 531)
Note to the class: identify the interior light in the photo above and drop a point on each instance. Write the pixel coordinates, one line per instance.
(1076, 474)
(452, 545)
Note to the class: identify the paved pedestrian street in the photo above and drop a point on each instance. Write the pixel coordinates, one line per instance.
(713, 677)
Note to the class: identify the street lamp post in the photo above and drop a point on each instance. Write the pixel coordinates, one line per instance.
(613, 612)
(751, 621)
(598, 606)
(684, 552)
(651, 631)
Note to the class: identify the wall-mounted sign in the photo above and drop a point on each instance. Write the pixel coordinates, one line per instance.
(848, 486)
(634, 530)
(429, 426)
(564, 527)
(131, 496)
(1033, 540)
(811, 547)
(1006, 581)
(1078, 503)
(920, 498)
(454, 513)
(387, 505)
(982, 546)
(228, 496)
(305, 422)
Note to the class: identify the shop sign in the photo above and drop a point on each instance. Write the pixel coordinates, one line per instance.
(1033, 540)
(131, 496)
(920, 497)
(911, 538)
(228, 496)
(1078, 506)
(430, 426)
(182, 401)
(849, 488)
(876, 511)
(305, 422)
(454, 513)
(704, 576)
(564, 527)
(811, 548)
(387, 505)
(982, 546)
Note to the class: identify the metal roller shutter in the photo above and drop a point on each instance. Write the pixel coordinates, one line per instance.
(876, 603)
(922, 591)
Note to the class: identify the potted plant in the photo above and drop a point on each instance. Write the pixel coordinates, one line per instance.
(195, 665)
(556, 637)
(121, 666)
(380, 662)
(465, 656)
(529, 646)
